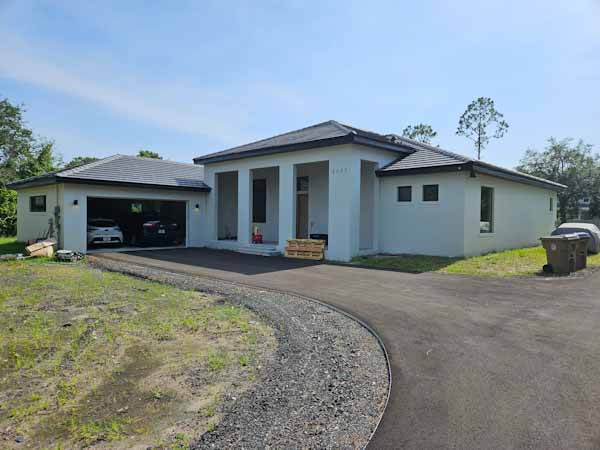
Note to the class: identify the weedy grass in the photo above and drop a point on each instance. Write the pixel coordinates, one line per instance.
(518, 262)
(11, 245)
(98, 359)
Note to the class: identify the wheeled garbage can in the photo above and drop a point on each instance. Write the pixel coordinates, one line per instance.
(566, 253)
(582, 251)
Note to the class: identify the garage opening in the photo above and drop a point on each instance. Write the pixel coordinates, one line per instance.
(133, 223)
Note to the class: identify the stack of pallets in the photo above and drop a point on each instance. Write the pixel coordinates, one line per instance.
(305, 249)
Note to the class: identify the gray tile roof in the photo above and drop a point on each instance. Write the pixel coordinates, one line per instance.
(414, 156)
(321, 134)
(421, 159)
(131, 170)
(429, 157)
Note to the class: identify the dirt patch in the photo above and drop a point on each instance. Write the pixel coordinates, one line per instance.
(100, 360)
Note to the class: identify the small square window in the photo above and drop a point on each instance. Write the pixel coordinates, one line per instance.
(405, 193)
(430, 192)
(37, 203)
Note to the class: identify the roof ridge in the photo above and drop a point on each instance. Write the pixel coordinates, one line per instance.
(340, 125)
(332, 122)
(145, 158)
(425, 146)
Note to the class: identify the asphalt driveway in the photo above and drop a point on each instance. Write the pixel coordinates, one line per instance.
(477, 363)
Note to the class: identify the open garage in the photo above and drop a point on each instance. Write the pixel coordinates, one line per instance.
(120, 203)
(131, 222)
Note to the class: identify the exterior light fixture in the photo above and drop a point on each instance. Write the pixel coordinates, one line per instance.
(75, 203)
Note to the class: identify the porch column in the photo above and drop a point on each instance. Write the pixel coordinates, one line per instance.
(344, 206)
(244, 198)
(376, 209)
(287, 204)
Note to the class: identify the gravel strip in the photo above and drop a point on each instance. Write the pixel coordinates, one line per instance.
(326, 386)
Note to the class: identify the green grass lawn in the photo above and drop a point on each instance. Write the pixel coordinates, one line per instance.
(11, 245)
(98, 359)
(518, 262)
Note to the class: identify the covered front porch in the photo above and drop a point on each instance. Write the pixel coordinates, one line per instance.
(328, 199)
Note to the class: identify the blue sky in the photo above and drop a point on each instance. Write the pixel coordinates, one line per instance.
(113, 77)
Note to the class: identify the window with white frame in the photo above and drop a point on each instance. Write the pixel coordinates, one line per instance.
(486, 221)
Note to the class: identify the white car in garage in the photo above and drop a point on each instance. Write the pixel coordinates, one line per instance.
(104, 231)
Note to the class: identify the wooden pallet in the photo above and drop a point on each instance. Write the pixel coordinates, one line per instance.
(305, 249)
(303, 254)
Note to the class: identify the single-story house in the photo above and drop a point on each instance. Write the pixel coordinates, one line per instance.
(361, 191)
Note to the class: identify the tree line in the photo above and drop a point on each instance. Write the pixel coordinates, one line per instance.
(24, 155)
(572, 163)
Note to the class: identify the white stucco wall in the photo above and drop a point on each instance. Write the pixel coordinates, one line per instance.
(339, 204)
(450, 227)
(521, 215)
(343, 194)
(418, 227)
(33, 225)
(75, 218)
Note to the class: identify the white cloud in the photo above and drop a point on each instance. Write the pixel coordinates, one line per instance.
(23, 67)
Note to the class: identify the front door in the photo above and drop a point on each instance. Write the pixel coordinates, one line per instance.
(302, 216)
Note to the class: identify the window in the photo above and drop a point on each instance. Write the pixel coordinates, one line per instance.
(486, 222)
(430, 192)
(37, 203)
(259, 201)
(405, 193)
(551, 204)
(136, 208)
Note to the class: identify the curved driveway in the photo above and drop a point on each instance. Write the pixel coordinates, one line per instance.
(477, 363)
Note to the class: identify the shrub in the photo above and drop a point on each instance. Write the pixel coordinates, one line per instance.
(8, 212)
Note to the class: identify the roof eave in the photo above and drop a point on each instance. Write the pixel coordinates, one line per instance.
(517, 178)
(346, 139)
(458, 167)
(27, 183)
(74, 180)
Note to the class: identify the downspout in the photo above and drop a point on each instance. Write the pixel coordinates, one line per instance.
(57, 219)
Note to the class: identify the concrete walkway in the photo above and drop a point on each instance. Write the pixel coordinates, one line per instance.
(477, 363)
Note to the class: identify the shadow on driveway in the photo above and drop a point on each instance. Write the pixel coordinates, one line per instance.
(224, 260)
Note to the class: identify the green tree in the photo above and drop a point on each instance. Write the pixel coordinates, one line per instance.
(480, 122)
(15, 140)
(149, 154)
(567, 163)
(39, 160)
(21, 156)
(8, 212)
(80, 161)
(420, 132)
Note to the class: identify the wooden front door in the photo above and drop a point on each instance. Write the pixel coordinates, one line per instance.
(302, 216)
